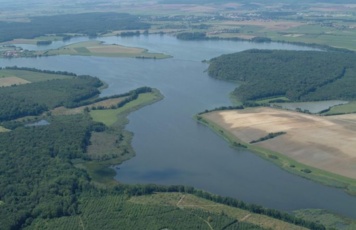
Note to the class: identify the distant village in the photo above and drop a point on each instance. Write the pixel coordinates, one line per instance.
(11, 51)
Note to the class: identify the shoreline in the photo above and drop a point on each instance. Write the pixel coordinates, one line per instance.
(103, 172)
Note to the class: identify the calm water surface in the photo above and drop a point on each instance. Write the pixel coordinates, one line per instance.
(171, 148)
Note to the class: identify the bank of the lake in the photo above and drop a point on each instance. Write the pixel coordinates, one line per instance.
(281, 160)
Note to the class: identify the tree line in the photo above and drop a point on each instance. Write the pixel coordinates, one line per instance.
(268, 136)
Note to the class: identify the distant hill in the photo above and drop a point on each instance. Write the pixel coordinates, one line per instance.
(91, 24)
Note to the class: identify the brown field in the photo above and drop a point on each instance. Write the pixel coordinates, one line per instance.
(9, 81)
(327, 143)
(268, 24)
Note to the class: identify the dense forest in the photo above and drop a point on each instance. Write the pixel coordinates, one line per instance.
(297, 75)
(86, 23)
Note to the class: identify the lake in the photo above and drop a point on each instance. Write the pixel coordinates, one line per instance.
(171, 147)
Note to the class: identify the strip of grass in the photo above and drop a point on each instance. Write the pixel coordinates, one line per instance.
(284, 162)
(342, 109)
(31, 76)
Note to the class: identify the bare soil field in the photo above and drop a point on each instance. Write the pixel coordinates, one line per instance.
(9, 81)
(327, 143)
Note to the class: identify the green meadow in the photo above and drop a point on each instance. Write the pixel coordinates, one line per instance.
(111, 116)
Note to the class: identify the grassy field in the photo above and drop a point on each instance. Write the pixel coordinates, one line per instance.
(29, 76)
(110, 116)
(96, 48)
(342, 109)
(282, 160)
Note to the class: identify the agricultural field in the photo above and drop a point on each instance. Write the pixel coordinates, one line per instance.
(18, 76)
(96, 48)
(297, 151)
(9, 81)
(326, 143)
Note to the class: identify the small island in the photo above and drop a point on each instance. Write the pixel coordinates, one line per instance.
(96, 48)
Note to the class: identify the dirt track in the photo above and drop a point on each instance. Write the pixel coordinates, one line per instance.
(327, 143)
